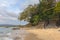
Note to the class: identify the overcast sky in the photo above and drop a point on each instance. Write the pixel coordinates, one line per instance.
(10, 9)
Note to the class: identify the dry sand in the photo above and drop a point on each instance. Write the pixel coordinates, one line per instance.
(43, 34)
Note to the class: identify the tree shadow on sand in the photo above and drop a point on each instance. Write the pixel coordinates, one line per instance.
(32, 36)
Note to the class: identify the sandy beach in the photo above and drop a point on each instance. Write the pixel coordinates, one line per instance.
(43, 34)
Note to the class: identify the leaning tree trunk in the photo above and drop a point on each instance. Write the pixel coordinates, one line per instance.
(46, 23)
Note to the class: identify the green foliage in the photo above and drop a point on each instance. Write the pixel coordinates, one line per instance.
(57, 10)
(57, 7)
(26, 14)
(43, 11)
(46, 9)
(34, 20)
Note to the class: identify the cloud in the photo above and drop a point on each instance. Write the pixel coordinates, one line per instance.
(2, 21)
(7, 3)
(24, 4)
(8, 20)
(10, 9)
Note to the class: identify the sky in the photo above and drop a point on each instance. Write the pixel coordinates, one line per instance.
(10, 10)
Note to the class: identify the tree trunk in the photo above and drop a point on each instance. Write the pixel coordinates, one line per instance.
(58, 22)
(46, 23)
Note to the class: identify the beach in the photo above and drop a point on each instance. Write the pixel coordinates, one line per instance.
(31, 34)
(43, 34)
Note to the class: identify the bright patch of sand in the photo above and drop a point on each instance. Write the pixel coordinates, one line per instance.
(43, 34)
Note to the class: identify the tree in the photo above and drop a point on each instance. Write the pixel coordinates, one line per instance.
(27, 13)
(44, 11)
(57, 11)
(34, 20)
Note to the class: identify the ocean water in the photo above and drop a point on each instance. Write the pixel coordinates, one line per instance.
(5, 38)
(4, 32)
(9, 34)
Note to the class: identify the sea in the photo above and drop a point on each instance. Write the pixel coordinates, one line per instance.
(10, 34)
